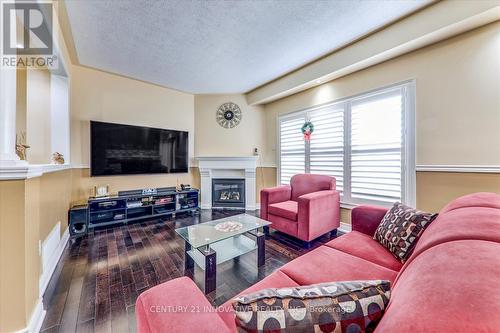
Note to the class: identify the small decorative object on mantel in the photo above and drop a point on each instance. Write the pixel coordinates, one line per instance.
(101, 191)
(307, 129)
(57, 158)
(228, 115)
(21, 146)
(229, 226)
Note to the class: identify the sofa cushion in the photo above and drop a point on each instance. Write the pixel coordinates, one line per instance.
(287, 209)
(326, 264)
(364, 246)
(450, 288)
(335, 306)
(401, 228)
(477, 223)
(474, 200)
(277, 279)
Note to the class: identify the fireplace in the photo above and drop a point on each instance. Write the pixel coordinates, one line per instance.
(232, 169)
(228, 193)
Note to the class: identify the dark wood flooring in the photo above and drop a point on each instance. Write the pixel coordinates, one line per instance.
(99, 276)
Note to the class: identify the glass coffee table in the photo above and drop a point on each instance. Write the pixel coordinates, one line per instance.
(211, 243)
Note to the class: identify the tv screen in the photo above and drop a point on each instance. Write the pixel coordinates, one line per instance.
(127, 150)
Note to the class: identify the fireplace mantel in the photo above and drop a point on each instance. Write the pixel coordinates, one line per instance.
(212, 167)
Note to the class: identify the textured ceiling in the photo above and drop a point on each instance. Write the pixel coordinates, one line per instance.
(219, 46)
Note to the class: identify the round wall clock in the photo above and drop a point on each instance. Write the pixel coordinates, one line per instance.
(228, 115)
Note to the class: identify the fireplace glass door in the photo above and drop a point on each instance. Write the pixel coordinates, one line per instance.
(228, 193)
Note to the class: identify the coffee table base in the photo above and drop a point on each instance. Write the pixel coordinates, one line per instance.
(208, 257)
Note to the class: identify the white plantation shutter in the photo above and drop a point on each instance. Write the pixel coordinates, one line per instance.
(376, 147)
(327, 143)
(366, 142)
(292, 148)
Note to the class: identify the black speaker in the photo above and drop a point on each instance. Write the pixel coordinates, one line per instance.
(77, 220)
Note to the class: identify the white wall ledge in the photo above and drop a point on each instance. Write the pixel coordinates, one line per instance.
(16, 172)
(458, 168)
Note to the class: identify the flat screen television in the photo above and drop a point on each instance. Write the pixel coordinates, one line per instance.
(117, 149)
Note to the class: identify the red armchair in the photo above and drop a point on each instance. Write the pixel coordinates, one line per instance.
(306, 209)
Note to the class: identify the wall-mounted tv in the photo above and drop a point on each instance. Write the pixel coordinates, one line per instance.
(128, 150)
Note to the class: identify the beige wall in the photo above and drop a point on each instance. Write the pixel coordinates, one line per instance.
(213, 140)
(54, 198)
(12, 252)
(436, 189)
(32, 219)
(457, 98)
(38, 130)
(96, 95)
(83, 184)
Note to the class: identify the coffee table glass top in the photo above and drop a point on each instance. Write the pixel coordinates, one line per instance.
(205, 233)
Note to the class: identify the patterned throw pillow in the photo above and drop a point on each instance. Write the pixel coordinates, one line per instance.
(351, 306)
(401, 228)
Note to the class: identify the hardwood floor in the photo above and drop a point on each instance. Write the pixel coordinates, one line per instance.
(99, 277)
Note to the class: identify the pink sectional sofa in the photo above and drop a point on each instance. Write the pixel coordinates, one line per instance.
(306, 209)
(450, 284)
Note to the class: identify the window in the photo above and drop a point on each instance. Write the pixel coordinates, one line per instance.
(327, 144)
(366, 142)
(292, 148)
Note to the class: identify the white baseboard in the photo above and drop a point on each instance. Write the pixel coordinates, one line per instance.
(345, 227)
(52, 261)
(36, 319)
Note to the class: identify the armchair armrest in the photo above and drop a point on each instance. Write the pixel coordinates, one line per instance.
(177, 306)
(366, 218)
(318, 213)
(273, 195)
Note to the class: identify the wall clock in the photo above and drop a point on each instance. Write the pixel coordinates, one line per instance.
(228, 115)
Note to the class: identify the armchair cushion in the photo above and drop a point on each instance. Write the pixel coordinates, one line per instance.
(318, 213)
(307, 183)
(287, 209)
(273, 195)
(276, 194)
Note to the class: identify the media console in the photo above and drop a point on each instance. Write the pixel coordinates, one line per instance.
(130, 206)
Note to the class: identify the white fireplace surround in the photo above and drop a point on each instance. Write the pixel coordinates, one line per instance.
(243, 167)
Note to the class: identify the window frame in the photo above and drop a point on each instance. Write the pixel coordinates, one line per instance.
(408, 141)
